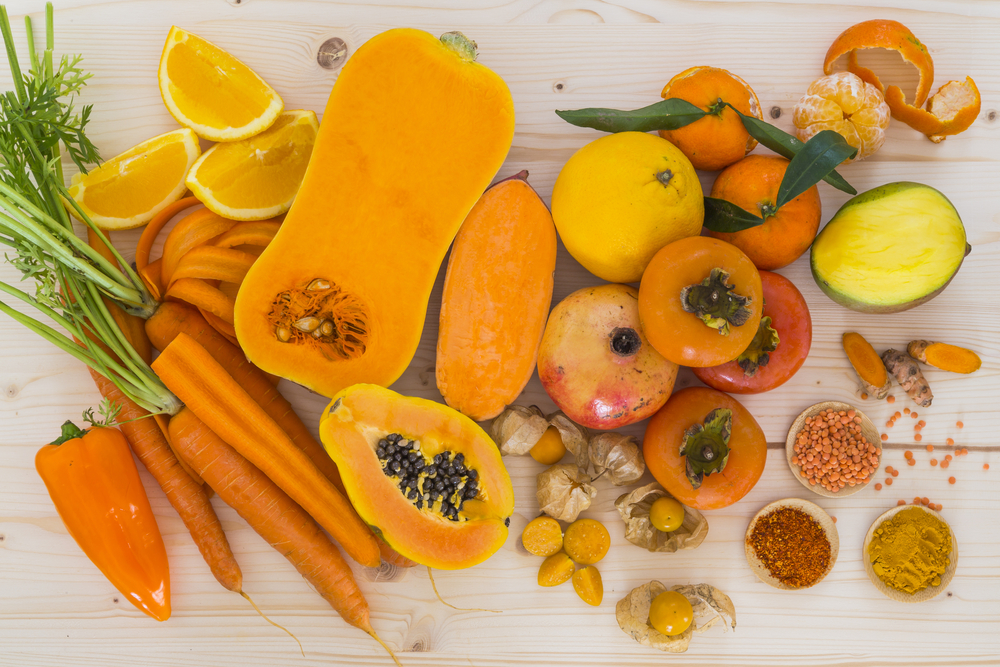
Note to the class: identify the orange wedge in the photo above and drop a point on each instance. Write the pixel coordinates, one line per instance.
(211, 92)
(256, 178)
(128, 190)
(951, 110)
(846, 104)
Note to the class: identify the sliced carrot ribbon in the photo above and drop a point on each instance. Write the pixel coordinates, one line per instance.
(203, 296)
(155, 226)
(212, 263)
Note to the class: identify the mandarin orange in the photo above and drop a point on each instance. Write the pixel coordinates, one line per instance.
(752, 184)
(719, 139)
(848, 105)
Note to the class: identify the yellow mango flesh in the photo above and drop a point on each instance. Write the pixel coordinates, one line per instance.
(891, 246)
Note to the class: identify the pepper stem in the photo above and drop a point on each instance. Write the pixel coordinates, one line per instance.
(461, 45)
(757, 354)
(70, 431)
(715, 303)
(706, 445)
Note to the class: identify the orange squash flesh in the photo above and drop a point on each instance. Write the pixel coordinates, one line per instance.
(497, 294)
(361, 415)
(412, 135)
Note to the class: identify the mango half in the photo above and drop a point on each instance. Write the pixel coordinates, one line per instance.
(889, 249)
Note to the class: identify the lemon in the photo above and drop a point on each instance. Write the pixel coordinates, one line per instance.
(211, 92)
(256, 178)
(129, 189)
(621, 198)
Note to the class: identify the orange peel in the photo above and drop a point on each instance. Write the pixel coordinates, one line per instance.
(951, 110)
(883, 34)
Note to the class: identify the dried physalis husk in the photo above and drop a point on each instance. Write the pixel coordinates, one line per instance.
(574, 437)
(564, 491)
(517, 429)
(640, 531)
(709, 604)
(619, 455)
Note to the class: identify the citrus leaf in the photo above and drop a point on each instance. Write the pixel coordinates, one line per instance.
(786, 146)
(817, 158)
(724, 216)
(669, 114)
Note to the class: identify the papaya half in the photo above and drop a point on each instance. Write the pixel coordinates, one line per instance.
(425, 477)
(413, 133)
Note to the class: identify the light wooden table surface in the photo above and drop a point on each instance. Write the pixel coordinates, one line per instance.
(55, 607)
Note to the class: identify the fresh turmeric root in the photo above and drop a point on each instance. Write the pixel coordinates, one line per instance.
(867, 364)
(906, 372)
(944, 356)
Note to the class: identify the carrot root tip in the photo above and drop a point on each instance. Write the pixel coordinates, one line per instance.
(281, 627)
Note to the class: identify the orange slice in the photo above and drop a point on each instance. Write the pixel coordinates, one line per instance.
(846, 104)
(256, 178)
(128, 190)
(719, 139)
(211, 92)
(951, 110)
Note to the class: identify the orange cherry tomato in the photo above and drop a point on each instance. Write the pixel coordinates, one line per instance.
(665, 435)
(789, 314)
(681, 336)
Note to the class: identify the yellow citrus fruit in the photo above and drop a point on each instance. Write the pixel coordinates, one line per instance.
(211, 92)
(621, 198)
(849, 106)
(256, 178)
(129, 189)
(719, 139)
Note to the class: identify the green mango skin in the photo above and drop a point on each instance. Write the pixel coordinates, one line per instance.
(843, 293)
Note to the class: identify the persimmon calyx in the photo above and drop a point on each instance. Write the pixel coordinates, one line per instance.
(706, 445)
(758, 353)
(716, 303)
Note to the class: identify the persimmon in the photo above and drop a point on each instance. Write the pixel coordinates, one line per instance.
(752, 184)
(719, 139)
(700, 301)
(786, 325)
(705, 448)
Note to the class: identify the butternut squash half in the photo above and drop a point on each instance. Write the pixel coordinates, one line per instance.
(412, 135)
(497, 294)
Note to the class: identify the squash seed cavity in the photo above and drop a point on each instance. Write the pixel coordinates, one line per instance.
(323, 315)
(441, 484)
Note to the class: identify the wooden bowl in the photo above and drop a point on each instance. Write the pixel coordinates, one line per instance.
(867, 429)
(900, 596)
(813, 510)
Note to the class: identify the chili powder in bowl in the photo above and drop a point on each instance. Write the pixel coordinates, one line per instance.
(792, 544)
(833, 445)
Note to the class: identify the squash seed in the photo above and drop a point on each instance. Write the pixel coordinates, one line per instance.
(307, 324)
(283, 334)
(326, 329)
(318, 284)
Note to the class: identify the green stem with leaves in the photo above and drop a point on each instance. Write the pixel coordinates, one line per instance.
(37, 124)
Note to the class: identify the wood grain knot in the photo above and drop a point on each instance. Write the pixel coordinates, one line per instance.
(775, 112)
(332, 53)
(384, 572)
(11, 391)
(419, 646)
(558, 86)
(991, 115)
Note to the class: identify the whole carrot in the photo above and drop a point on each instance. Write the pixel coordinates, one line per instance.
(184, 494)
(274, 516)
(219, 401)
(172, 319)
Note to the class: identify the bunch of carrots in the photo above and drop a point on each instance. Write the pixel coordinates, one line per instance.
(200, 414)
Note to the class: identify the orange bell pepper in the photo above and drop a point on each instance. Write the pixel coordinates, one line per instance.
(92, 479)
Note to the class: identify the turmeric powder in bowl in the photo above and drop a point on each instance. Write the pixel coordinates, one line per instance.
(911, 550)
